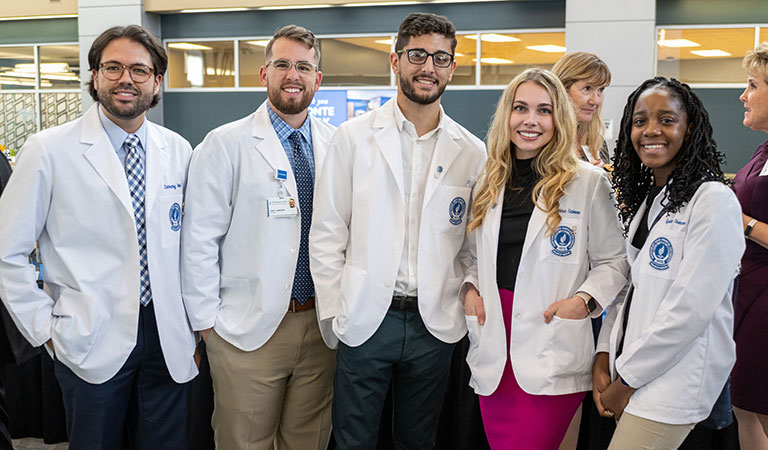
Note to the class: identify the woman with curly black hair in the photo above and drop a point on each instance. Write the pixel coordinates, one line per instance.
(666, 349)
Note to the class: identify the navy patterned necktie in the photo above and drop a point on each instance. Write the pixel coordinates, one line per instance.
(134, 171)
(303, 287)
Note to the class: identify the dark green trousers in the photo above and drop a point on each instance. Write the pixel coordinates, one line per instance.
(401, 352)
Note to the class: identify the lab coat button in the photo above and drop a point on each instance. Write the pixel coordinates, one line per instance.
(293, 251)
(388, 284)
(517, 316)
(287, 286)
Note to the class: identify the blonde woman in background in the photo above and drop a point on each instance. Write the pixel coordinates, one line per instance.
(585, 77)
(549, 256)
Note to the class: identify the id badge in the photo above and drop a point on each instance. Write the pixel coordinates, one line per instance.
(281, 207)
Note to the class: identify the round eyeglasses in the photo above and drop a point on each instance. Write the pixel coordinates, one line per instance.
(139, 73)
(303, 67)
(419, 56)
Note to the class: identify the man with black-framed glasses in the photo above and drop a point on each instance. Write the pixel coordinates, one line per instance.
(388, 247)
(245, 266)
(103, 196)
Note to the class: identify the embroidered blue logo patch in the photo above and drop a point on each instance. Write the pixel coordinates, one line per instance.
(175, 216)
(562, 241)
(456, 210)
(661, 253)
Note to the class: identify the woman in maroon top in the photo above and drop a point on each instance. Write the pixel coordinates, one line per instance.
(749, 390)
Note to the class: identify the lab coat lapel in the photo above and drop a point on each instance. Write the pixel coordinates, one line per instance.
(492, 228)
(156, 151)
(388, 141)
(268, 144)
(102, 157)
(446, 150)
(537, 222)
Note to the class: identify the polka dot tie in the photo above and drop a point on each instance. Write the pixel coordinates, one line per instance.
(303, 287)
(134, 171)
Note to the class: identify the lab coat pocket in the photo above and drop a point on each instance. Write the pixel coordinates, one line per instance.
(76, 324)
(563, 246)
(663, 256)
(572, 346)
(171, 206)
(236, 299)
(352, 281)
(453, 204)
(474, 333)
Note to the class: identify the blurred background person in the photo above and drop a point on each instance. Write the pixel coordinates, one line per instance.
(749, 392)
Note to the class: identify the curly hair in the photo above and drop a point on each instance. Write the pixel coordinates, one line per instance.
(697, 161)
(556, 162)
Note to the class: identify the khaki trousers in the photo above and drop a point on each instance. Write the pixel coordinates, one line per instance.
(277, 396)
(636, 433)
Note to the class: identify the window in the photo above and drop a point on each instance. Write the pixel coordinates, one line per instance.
(503, 56)
(356, 61)
(251, 59)
(209, 64)
(39, 88)
(466, 60)
(704, 55)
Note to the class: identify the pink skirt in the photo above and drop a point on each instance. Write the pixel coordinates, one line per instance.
(516, 420)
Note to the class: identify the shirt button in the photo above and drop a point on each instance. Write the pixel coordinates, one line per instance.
(413, 221)
(293, 251)
(396, 247)
(287, 287)
(388, 284)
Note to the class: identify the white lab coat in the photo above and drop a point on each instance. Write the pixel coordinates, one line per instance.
(238, 264)
(554, 358)
(69, 191)
(679, 349)
(358, 226)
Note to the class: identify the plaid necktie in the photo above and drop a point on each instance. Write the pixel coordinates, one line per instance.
(134, 171)
(303, 287)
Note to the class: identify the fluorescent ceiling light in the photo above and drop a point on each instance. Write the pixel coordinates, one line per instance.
(384, 41)
(710, 53)
(268, 8)
(260, 42)
(677, 43)
(493, 37)
(209, 10)
(60, 16)
(494, 61)
(459, 54)
(549, 48)
(380, 4)
(188, 46)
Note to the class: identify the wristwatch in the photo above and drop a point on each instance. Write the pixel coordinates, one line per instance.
(589, 302)
(750, 225)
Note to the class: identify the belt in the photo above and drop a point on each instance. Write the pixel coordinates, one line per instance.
(404, 303)
(295, 306)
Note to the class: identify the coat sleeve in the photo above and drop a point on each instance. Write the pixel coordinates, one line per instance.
(207, 215)
(605, 248)
(24, 210)
(468, 253)
(329, 234)
(712, 249)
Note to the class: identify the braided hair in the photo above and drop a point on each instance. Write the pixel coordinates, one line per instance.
(697, 161)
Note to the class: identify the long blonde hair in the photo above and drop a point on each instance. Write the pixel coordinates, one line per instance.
(556, 162)
(578, 66)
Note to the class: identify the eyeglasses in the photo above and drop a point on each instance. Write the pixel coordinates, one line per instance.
(419, 56)
(303, 67)
(139, 73)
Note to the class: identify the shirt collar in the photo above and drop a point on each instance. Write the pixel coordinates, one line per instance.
(403, 124)
(284, 130)
(117, 135)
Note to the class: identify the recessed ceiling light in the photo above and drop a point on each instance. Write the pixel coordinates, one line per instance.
(188, 46)
(493, 37)
(269, 8)
(210, 10)
(677, 43)
(710, 53)
(494, 61)
(384, 41)
(549, 48)
(260, 42)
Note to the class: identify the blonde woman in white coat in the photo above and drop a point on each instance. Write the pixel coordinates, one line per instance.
(547, 236)
(665, 351)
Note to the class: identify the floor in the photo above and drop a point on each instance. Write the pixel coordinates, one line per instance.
(37, 444)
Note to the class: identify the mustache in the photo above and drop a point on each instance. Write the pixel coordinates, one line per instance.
(125, 87)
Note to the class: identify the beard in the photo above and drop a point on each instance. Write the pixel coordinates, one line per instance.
(406, 86)
(122, 111)
(289, 106)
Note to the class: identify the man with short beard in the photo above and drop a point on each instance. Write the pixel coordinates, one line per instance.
(388, 247)
(245, 269)
(103, 195)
